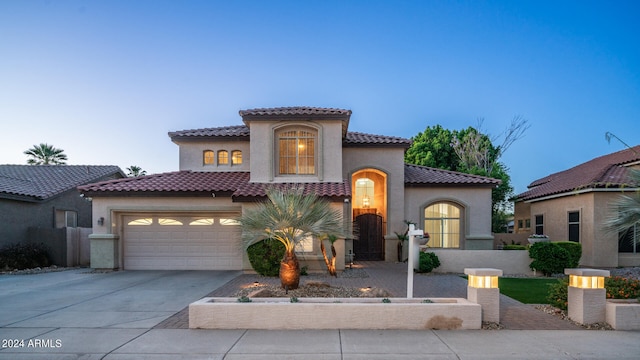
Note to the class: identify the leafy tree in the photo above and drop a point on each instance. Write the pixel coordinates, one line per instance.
(290, 217)
(135, 171)
(45, 154)
(473, 152)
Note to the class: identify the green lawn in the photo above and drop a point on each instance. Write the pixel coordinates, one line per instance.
(526, 290)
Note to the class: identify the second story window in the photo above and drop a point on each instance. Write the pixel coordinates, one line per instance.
(236, 157)
(223, 157)
(297, 152)
(208, 157)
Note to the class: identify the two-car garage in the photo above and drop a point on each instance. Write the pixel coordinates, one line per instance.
(202, 241)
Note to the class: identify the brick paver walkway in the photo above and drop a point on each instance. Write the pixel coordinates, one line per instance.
(393, 277)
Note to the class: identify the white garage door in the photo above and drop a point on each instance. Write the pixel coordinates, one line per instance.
(181, 242)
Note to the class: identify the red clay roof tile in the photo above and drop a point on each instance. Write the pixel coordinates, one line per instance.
(294, 110)
(604, 171)
(416, 175)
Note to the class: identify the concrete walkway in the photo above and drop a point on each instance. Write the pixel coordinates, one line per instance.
(81, 315)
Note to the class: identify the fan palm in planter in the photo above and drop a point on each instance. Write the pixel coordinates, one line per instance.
(289, 216)
(626, 208)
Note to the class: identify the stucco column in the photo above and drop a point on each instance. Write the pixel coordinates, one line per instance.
(483, 289)
(587, 297)
(104, 251)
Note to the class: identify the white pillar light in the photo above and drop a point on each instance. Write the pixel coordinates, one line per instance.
(586, 295)
(483, 289)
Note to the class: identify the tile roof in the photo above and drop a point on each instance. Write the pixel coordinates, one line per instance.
(357, 138)
(41, 182)
(416, 175)
(351, 139)
(249, 191)
(204, 183)
(606, 171)
(221, 132)
(186, 182)
(294, 110)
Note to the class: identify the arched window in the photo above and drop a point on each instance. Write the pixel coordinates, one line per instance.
(297, 152)
(442, 222)
(364, 194)
(223, 157)
(208, 157)
(236, 157)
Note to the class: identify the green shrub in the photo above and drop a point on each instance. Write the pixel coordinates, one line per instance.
(557, 295)
(617, 288)
(622, 288)
(514, 247)
(265, 257)
(427, 262)
(24, 256)
(575, 252)
(549, 258)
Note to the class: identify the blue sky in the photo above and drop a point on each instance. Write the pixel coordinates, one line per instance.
(106, 80)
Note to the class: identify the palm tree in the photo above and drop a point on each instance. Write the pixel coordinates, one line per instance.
(135, 171)
(289, 216)
(626, 213)
(45, 154)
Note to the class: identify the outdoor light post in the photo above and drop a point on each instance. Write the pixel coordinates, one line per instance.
(586, 295)
(483, 289)
(413, 232)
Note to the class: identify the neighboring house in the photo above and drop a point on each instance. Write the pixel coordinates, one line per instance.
(573, 205)
(45, 197)
(185, 219)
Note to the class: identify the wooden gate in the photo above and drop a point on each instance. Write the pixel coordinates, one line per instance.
(370, 242)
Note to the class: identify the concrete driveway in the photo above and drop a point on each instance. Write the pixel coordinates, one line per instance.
(71, 309)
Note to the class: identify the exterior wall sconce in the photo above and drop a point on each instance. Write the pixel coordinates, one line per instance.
(586, 295)
(483, 289)
(101, 221)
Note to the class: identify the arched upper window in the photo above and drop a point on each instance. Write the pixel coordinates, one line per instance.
(297, 151)
(208, 157)
(442, 222)
(223, 157)
(236, 157)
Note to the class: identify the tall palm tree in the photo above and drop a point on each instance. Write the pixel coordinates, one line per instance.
(135, 171)
(45, 154)
(626, 208)
(290, 217)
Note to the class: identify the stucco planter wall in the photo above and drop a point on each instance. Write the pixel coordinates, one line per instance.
(623, 314)
(334, 313)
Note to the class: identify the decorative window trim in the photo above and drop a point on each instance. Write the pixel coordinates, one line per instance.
(236, 157)
(223, 157)
(460, 219)
(299, 141)
(208, 157)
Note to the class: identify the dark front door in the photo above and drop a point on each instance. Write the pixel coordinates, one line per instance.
(369, 243)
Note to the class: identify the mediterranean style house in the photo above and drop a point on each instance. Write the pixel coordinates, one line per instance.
(186, 219)
(573, 205)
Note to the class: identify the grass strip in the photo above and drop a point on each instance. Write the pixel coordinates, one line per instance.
(526, 290)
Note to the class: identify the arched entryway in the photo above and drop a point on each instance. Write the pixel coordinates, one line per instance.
(369, 207)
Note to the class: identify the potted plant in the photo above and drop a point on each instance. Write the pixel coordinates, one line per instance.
(536, 238)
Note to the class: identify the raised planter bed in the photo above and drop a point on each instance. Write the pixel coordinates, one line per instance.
(623, 314)
(335, 313)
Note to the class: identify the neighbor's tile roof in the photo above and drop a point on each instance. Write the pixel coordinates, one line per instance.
(607, 171)
(204, 183)
(416, 175)
(242, 131)
(294, 110)
(40, 182)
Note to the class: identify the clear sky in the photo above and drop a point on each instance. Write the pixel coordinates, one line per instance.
(107, 80)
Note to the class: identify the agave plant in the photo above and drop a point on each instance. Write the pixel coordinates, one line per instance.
(290, 217)
(626, 208)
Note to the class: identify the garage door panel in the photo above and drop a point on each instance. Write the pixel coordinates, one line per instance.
(152, 246)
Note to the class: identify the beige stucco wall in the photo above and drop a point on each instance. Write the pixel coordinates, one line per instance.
(476, 203)
(599, 247)
(190, 155)
(328, 158)
(391, 162)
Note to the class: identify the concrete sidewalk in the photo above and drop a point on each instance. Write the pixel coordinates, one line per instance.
(82, 315)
